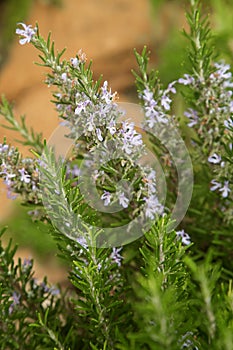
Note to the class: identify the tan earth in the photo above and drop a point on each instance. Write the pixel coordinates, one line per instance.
(107, 30)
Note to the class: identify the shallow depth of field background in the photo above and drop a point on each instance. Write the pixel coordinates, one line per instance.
(108, 31)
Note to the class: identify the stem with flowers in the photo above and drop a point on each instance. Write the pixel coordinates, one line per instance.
(159, 291)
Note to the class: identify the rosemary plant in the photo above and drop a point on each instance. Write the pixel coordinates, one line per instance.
(137, 281)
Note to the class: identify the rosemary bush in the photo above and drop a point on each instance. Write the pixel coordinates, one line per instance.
(143, 273)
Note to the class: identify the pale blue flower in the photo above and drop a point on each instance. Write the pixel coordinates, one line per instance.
(187, 80)
(152, 206)
(123, 200)
(222, 71)
(25, 177)
(54, 291)
(107, 95)
(106, 197)
(171, 87)
(193, 117)
(225, 189)
(3, 148)
(99, 135)
(81, 106)
(216, 185)
(162, 118)
(215, 158)
(116, 256)
(64, 77)
(185, 238)
(27, 33)
(10, 195)
(82, 241)
(130, 137)
(166, 102)
(75, 62)
(27, 263)
(148, 96)
(112, 127)
(16, 301)
(8, 178)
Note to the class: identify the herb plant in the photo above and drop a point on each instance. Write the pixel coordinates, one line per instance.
(143, 275)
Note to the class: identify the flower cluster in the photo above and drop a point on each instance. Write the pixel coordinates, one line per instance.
(212, 121)
(156, 109)
(20, 175)
(91, 113)
(103, 191)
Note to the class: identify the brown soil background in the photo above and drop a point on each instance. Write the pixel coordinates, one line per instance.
(107, 30)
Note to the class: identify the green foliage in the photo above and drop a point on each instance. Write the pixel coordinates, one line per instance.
(24, 300)
(160, 291)
(201, 50)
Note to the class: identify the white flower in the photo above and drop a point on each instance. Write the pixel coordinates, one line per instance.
(215, 159)
(153, 112)
(222, 71)
(151, 181)
(90, 124)
(81, 106)
(27, 32)
(150, 111)
(130, 137)
(64, 77)
(74, 62)
(215, 186)
(106, 197)
(171, 87)
(225, 189)
(151, 175)
(115, 256)
(82, 241)
(152, 206)
(25, 177)
(187, 80)
(99, 135)
(3, 148)
(192, 115)
(107, 95)
(165, 102)
(123, 200)
(151, 121)
(112, 127)
(162, 118)
(148, 96)
(185, 238)
(8, 178)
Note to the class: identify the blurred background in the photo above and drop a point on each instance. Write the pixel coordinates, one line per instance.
(108, 31)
